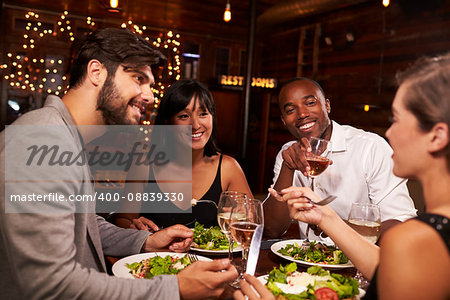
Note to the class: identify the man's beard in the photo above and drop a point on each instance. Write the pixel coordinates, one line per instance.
(112, 105)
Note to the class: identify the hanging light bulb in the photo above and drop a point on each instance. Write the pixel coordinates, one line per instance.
(386, 3)
(113, 6)
(227, 13)
(114, 3)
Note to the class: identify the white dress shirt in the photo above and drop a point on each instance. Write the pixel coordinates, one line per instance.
(361, 172)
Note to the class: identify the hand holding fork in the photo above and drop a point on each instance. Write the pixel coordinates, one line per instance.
(192, 258)
(302, 207)
(328, 199)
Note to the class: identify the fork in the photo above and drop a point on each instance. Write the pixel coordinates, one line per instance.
(192, 258)
(324, 201)
(205, 201)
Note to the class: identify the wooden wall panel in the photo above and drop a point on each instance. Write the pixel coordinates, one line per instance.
(229, 106)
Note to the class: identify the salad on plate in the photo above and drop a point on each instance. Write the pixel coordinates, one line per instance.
(211, 238)
(158, 265)
(315, 252)
(317, 283)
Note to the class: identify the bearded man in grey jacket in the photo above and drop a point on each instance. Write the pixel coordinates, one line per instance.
(55, 250)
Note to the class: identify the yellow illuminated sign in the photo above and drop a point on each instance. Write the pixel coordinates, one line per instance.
(231, 80)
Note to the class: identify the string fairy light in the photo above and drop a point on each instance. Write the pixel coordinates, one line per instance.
(24, 70)
(90, 22)
(31, 73)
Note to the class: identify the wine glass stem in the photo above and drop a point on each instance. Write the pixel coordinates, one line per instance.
(230, 247)
(244, 260)
(362, 281)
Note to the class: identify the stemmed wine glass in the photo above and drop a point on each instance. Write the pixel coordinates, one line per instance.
(319, 157)
(226, 201)
(365, 218)
(318, 160)
(245, 217)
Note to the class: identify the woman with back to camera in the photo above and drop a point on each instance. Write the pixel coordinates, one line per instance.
(188, 102)
(413, 260)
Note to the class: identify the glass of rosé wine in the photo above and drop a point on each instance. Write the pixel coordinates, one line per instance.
(319, 157)
(245, 217)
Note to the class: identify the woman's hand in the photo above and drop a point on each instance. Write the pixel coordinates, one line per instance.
(298, 202)
(143, 223)
(247, 290)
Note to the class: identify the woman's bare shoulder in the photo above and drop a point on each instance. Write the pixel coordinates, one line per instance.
(233, 177)
(229, 161)
(411, 233)
(413, 257)
(411, 238)
(231, 166)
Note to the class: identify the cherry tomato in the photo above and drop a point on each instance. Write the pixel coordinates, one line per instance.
(325, 293)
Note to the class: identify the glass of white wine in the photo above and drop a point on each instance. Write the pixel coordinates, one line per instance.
(245, 217)
(365, 218)
(226, 201)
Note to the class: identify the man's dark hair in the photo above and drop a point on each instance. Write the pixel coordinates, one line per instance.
(300, 79)
(113, 47)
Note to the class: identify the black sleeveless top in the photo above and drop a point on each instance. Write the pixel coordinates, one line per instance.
(440, 223)
(204, 213)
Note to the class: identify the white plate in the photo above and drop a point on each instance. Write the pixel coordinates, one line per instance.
(120, 269)
(223, 251)
(299, 289)
(282, 244)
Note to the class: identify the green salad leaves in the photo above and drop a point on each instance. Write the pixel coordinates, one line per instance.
(315, 252)
(210, 239)
(345, 287)
(158, 265)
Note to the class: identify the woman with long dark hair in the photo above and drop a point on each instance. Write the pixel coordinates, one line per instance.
(188, 102)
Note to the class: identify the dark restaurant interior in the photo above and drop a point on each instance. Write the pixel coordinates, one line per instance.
(141, 210)
(353, 48)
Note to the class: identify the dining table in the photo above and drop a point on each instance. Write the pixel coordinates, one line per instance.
(267, 260)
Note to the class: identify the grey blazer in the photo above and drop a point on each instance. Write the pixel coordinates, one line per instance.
(61, 255)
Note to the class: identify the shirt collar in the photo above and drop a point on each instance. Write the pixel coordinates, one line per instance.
(337, 139)
(58, 104)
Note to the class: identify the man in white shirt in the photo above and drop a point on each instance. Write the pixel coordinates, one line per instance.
(361, 169)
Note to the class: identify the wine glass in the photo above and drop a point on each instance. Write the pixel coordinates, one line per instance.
(319, 157)
(226, 201)
(245, 217)
(318, 160)
(365, 218)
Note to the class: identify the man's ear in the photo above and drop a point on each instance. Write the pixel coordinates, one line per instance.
(328, 105)
(96, 72)
(282, 120)
(439, 137)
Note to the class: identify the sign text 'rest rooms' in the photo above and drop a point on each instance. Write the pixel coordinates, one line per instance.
(231, 80)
